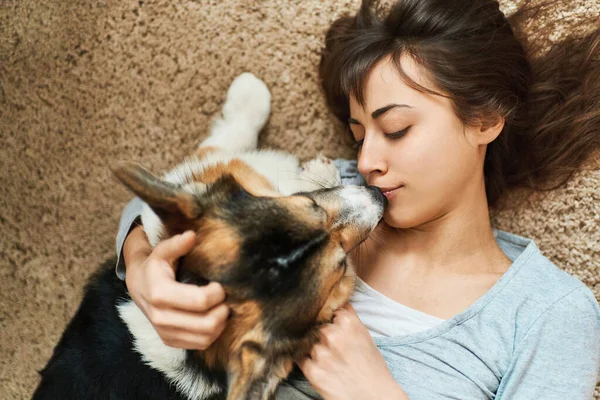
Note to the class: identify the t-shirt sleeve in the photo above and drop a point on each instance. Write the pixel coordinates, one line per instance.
(559, 356)
(349, 174)
(129, 218)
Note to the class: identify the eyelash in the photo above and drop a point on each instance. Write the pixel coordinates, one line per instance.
(396, 135)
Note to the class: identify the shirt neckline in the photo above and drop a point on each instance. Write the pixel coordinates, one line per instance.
(529, 250)
(410, 312)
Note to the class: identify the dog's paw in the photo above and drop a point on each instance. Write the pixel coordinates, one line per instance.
(319, 173)
(248, 100)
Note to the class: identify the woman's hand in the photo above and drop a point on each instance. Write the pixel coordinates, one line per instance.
(346, 364)
(184, 315)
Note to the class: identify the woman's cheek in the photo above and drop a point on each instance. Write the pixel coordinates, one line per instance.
(405, 210)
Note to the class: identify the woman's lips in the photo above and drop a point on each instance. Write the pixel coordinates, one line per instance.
(390, 192)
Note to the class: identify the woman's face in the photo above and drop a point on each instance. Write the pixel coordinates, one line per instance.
(413, 146)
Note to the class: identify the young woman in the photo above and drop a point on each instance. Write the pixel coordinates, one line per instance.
(447, 113)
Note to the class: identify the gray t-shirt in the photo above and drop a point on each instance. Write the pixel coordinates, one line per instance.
(534, 335)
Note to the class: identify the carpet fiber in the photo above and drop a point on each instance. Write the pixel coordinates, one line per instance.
(86, 83)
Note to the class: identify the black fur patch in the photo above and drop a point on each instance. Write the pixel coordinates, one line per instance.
(95, 358)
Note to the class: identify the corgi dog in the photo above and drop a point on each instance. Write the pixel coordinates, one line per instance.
(274, 233)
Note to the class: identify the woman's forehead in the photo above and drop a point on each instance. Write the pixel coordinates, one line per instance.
(384, 86)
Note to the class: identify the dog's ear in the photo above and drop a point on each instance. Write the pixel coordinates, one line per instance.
(167, 200)
(279, 271)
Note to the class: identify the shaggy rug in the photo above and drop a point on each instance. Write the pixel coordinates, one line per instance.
(86, 83)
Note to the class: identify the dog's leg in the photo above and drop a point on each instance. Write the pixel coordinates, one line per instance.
(247, 369)
(278, 373)
(253, 378)
(244, 114)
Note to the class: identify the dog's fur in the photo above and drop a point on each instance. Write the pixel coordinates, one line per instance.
(280, 257)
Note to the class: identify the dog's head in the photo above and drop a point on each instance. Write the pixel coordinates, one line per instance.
(285, 254)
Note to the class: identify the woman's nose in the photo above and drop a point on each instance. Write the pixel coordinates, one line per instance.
(371, 158)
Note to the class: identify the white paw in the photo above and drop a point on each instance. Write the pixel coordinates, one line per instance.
(248, 101)
(319, 173)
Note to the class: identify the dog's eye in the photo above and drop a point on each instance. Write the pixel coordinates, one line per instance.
(343, 263)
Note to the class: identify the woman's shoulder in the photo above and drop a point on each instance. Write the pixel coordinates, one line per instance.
(537, 286)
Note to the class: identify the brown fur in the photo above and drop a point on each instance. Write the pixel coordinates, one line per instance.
(217, 246)
(250, 180)
(256, 356)
(246, 327)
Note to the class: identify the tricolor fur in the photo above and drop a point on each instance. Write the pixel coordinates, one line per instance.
(275, 234)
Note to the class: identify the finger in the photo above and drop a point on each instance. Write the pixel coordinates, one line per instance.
(344, 316)
(186, 340)
(318, 352)
(349, 307)
(174, 247)
(308, 367)
(324, 333)
(209, 323)
(187, 297)
(198, 340)
(304, 364)
(182, 338)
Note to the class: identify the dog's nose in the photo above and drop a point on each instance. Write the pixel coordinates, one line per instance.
(377, 195)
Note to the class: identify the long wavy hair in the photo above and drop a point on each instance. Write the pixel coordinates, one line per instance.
(489, 68)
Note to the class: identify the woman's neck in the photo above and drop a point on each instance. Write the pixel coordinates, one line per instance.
(459, 241)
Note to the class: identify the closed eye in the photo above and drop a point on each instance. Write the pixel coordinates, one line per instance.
(393, 136)
(399, 134)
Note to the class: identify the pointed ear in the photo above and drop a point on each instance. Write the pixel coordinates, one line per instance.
(166, 199)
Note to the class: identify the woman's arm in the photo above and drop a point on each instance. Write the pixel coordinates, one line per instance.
(184, 316)
(559, 356)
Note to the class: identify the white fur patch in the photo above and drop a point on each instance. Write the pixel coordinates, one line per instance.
(244, 114)
(168, 360)
(359, 207)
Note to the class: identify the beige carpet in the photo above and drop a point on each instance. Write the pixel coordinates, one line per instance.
(85, 83)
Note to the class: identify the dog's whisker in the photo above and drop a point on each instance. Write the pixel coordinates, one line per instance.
(308, 179)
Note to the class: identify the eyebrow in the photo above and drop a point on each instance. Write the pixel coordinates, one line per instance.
(380, 111)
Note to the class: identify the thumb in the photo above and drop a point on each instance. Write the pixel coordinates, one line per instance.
(174, 247)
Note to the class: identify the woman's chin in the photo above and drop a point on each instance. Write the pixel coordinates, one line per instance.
(400, 219)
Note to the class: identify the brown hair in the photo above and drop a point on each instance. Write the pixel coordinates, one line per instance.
(550, 99)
